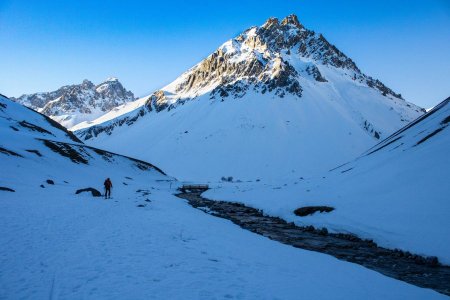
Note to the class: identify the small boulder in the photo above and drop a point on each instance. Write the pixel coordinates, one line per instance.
(309, 210)
(6, 189)
(94, 192)
(49, 181)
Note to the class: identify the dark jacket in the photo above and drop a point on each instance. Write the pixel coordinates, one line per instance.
(108, 184)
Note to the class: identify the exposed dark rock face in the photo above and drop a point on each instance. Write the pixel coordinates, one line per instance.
(445, 121)
(35, 152)
(55, 124)
(375, 83)
(309, 210)
(283, 81)
(6, 189)
(430, 135)
(79, 153)
(369, 128)
(94, 192)
(314, 71)
(33, 127)
(75, 153)
(9, 152)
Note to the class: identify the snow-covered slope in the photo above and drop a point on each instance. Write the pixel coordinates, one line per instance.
(396, 193)
(144, 243)
(278, 100)
(72, 104)
(35, 148)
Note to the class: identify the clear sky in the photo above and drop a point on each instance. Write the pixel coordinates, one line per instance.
(147, 44)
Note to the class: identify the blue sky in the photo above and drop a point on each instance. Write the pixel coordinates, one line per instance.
(47, 44)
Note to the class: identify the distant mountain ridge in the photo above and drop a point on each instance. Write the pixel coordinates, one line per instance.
(72, 104)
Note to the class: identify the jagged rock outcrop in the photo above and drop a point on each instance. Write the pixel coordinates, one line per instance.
(261, 59)
(157, 101)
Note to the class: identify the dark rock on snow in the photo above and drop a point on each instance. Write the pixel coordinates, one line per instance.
(93, 191)
(309, 210)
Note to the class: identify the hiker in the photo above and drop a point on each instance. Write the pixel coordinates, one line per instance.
(108, 186)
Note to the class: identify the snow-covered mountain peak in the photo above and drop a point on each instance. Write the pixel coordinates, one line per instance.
(279, 90)
(72, 104)
(276, 57)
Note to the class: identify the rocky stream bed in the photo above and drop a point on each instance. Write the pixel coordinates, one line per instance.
(421, 271)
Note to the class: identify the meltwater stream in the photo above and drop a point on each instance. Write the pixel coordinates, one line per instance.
(420, 271)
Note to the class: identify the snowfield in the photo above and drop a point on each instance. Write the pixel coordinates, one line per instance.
(64, 246)
(144, 242)
(261, 136)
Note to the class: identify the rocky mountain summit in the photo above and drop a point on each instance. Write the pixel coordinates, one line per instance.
(266, 59)
(72, 104)
(279, 57)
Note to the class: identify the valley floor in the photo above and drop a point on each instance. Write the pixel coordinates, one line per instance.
(58, 245)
